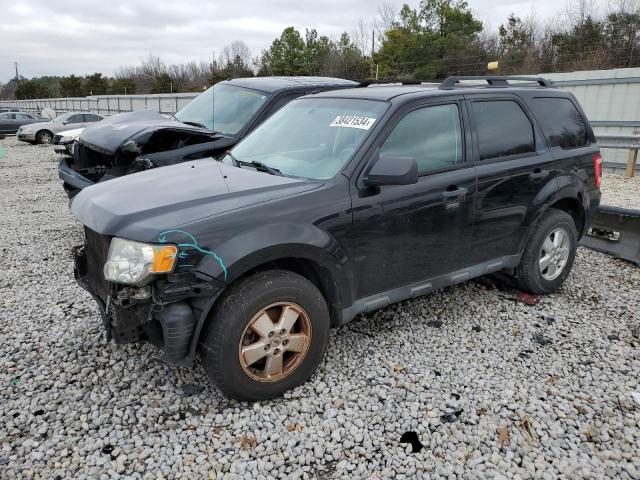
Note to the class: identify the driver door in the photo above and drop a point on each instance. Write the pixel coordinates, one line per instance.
(404, 234)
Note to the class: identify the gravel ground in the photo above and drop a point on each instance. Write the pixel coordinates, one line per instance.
(492, 388)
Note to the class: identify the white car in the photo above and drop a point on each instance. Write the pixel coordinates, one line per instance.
(43, 132)
(64, 142)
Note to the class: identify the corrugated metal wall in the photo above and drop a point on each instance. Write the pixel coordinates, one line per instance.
(611, 99)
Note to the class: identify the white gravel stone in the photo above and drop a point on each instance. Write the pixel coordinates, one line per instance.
(74, 406)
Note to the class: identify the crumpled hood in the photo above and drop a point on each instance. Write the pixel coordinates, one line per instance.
(140, 205)
(109, 134)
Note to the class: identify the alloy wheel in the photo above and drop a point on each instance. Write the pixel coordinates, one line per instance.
(275, 342)
(554, 254)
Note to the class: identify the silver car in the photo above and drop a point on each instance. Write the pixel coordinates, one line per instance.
(44, 132)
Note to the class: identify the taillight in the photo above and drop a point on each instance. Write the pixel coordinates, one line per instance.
(597, 168)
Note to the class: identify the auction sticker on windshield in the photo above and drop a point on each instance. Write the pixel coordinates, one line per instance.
(353, 121)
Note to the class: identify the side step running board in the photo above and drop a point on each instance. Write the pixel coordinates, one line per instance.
(615, 231)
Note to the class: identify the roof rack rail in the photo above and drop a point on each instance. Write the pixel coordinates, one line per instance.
(493, 81)
(383, 81)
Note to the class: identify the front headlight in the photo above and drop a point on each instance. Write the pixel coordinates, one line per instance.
(134, 262)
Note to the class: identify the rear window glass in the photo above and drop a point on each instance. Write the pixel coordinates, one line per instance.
(562, 123)
(503, 129)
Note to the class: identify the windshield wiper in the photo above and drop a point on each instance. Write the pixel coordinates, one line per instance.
(261, 167)
(195, 124)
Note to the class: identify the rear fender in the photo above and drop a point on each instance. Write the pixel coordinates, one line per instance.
(560, 188)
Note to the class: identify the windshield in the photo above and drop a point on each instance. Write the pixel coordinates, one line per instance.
(234, 107)
(311, 137)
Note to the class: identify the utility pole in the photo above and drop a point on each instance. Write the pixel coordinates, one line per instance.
(373, 41)
(17, 76)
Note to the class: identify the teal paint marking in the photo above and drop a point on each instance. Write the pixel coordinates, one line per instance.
(162, 238)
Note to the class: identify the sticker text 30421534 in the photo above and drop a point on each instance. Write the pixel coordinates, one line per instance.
(353, 121)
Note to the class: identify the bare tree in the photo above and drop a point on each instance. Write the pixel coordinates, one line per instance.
(387, 14)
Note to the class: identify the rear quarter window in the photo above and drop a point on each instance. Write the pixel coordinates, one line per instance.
(562, 123)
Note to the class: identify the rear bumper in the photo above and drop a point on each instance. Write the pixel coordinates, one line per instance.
(73, 181)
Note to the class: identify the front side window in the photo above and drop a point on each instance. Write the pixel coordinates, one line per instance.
(563, 126)
(503, 129)
(223, 108)
(311, 137)
(431, 135)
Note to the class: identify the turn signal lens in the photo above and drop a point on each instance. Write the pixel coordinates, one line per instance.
(163, 258)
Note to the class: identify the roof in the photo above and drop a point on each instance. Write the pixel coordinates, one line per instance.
(383, 92)
(273, 84)
(389, 92)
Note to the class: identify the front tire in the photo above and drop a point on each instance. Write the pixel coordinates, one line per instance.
(44, 137)
(268, 334)
(549, 254)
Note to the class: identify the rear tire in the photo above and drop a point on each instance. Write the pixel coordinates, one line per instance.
(549, 254)
(44, 136)
(268, 334)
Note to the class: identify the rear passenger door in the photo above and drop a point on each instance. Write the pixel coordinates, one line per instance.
(513, 165)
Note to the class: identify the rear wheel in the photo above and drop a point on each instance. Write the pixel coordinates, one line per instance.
(549, 254)
(44, 136)
(267, 335)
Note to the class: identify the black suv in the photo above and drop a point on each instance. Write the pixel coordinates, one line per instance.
(340, 203)
(207, 126)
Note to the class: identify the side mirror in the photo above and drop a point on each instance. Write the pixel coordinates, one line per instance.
(392, 170)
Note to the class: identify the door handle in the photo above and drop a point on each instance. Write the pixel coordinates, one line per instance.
(454, 192)
(538, 174)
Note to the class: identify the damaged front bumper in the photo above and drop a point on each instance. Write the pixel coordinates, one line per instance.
(73, 182)
(615, 231)
(168, 313)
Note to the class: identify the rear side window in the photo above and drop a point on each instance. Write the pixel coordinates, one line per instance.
(90, 117)
(503, 129)
(562, 123)
(79, 118)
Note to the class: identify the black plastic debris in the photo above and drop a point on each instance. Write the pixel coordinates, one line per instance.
(434, 323)
(107, 449)
(613, 337)
(451, 417)
(550, 320)
(476, 328)
(541, 340)
(412, 438)
(191, 389)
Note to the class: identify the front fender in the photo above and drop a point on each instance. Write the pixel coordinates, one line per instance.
(267, 243)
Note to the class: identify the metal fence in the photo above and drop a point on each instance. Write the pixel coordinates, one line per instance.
(167, 104)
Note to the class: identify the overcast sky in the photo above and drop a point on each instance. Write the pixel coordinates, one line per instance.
(85, 36)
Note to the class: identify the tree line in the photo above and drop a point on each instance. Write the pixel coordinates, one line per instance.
(436, 39)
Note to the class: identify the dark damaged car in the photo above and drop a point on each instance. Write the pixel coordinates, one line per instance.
(206, 127)
(340, 203)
